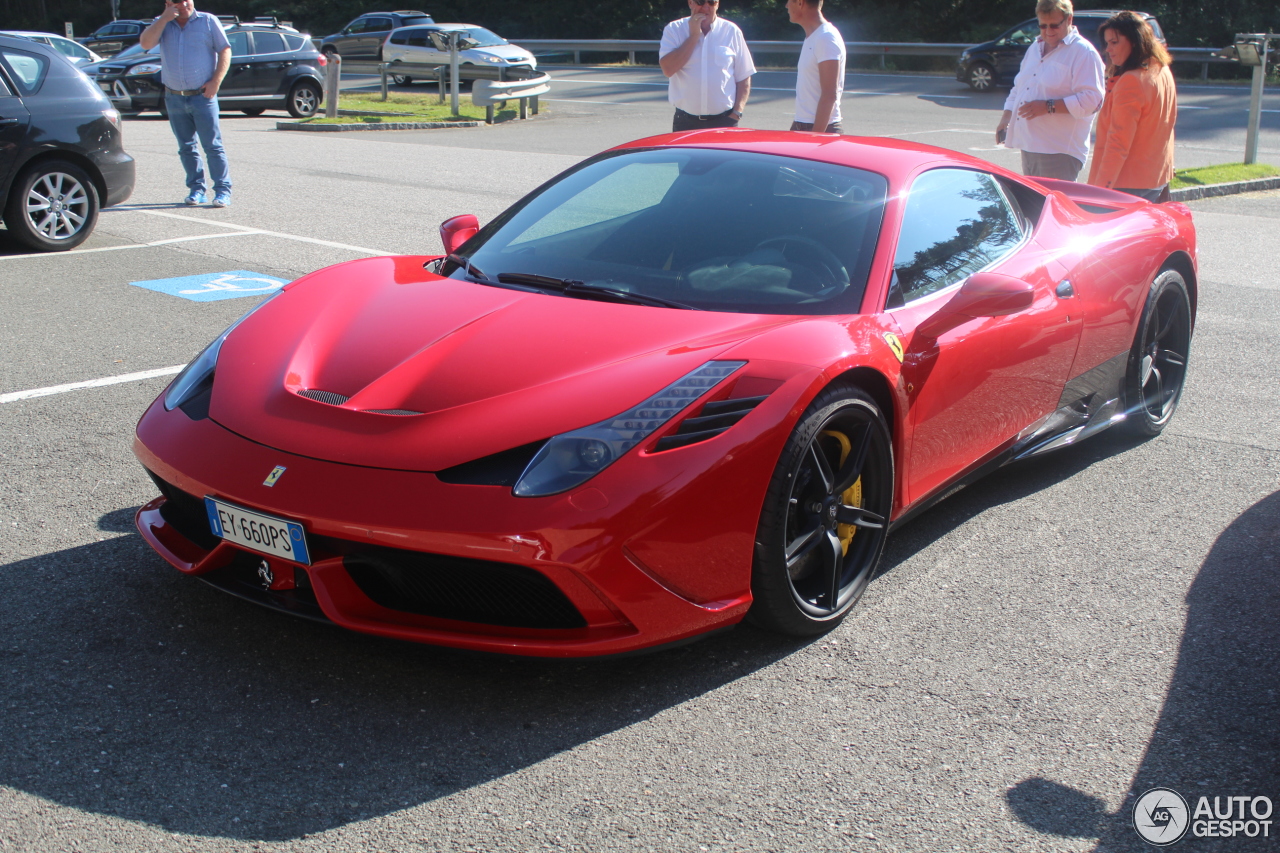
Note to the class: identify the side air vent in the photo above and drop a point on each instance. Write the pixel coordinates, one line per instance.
(399, 412)
(715, 418)
(324, 397)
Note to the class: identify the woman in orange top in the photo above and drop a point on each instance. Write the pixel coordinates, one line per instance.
(1134, 150)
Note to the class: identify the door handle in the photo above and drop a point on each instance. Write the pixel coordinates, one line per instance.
(7, 121)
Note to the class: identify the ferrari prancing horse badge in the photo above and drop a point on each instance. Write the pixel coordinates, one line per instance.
(894, 344)
(279, 469)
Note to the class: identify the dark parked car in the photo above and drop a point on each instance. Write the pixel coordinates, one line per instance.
(996, 63)
(363, 37)
(61, 154)
(272, 67)
(110, 39)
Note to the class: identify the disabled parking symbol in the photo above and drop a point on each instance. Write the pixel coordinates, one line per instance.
(212, 287)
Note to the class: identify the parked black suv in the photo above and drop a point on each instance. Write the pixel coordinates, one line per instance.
(272, 66)
(363, 37)
(996, 63)
(61, 156)
(110, 39)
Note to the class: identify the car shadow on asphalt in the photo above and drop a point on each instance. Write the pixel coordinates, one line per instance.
(1222, 703)
(132, 691)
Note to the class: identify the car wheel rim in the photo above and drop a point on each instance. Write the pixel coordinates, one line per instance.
(57, 206)
(305, 100)
(836, 514)
(980, 77)
(1164, 355)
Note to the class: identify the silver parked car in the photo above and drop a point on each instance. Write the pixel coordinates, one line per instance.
(490, 56)
(77, 53)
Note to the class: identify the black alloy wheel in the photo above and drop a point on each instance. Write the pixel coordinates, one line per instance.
(304, 99)
(825, 515)
(1158, 362)
(53, 206)
(401, 79)
(981, 77)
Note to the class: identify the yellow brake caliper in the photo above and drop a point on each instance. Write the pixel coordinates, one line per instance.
(852, 496)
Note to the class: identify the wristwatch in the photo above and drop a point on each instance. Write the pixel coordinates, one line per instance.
(1052, 106)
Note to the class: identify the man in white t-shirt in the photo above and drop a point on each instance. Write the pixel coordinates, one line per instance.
(707, 60)
(820, 72)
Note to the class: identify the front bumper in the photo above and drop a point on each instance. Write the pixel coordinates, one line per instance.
(132, 94)
(640, 560)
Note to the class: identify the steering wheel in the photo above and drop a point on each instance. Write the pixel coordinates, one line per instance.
(813, 256)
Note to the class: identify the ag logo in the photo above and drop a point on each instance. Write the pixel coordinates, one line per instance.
(894, 344)
(1161, 816)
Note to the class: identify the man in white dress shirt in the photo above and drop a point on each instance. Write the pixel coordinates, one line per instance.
(707, 60)
(820, 70)
(1059, 88)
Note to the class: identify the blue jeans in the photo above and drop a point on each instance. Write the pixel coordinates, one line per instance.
(192, 118)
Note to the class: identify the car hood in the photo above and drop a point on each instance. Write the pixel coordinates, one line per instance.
(422, 373)
(508, 52)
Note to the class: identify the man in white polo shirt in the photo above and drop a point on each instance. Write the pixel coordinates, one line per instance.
(710, 68)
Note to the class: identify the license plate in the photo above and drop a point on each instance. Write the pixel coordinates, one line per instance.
(106, 87)
(265, 534)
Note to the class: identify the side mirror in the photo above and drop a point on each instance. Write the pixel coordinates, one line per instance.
(984, 294)
(458, 230)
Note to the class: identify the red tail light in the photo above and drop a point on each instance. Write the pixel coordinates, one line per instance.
(322, 61)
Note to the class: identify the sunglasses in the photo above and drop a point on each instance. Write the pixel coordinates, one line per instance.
(706, 2)
(1056, 26)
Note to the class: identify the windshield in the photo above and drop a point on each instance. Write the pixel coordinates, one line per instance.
(485, 37)
(135, 50)
(713, 229)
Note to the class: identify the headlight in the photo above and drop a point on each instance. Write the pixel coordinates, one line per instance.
(964, 56)
(198, 375)
(149, 68)
(572, 458)
(494, 59)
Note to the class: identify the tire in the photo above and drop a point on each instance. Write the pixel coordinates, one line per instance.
(304, 99)
(1157, 367)
(981, 77)
(53, 206)
(254, 111)
(818, 545)
(330, 52)
(401, 79)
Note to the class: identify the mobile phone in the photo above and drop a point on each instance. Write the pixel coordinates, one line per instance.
(1000, 135)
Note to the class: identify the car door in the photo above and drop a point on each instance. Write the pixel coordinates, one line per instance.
(271, 61)
(239, 82)
(14, 121)
(973, 383)
(1012, 46)
(370, 42)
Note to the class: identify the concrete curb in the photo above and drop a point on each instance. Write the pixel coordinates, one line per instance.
(1212, 190)
(386, 125)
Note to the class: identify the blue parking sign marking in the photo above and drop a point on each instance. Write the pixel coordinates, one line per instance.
(215, 286)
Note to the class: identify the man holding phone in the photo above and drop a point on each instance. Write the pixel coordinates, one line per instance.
(194, 57)
(710, 68)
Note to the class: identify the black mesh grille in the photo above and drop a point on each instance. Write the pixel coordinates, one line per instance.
(401, 412)
(324, 397)
(462, 589)
(186, 513)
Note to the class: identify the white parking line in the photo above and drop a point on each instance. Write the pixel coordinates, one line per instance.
(14, 396)
(236, 231)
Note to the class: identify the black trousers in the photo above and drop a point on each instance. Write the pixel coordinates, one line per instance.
(688, 121)
(834, 127)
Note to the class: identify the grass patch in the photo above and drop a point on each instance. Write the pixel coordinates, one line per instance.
(407, 106)
(1226, 173)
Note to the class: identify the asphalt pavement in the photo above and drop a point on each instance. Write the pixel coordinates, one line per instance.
(1039, 649)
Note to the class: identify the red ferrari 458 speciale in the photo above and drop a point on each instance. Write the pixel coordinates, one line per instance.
(694, 379)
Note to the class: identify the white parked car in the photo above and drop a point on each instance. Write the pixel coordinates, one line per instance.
(73, 50)
(490, 56)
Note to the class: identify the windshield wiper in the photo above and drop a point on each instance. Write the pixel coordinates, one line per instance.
(474, 272)
(580, 289)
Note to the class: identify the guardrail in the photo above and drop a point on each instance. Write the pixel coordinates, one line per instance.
(488, 93)
(1202, 55)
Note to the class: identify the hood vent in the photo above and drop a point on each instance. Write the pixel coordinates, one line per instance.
(324, 397)
(715, 418)
(398, 412)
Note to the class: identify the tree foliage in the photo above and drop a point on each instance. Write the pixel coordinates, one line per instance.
(1187, 23)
